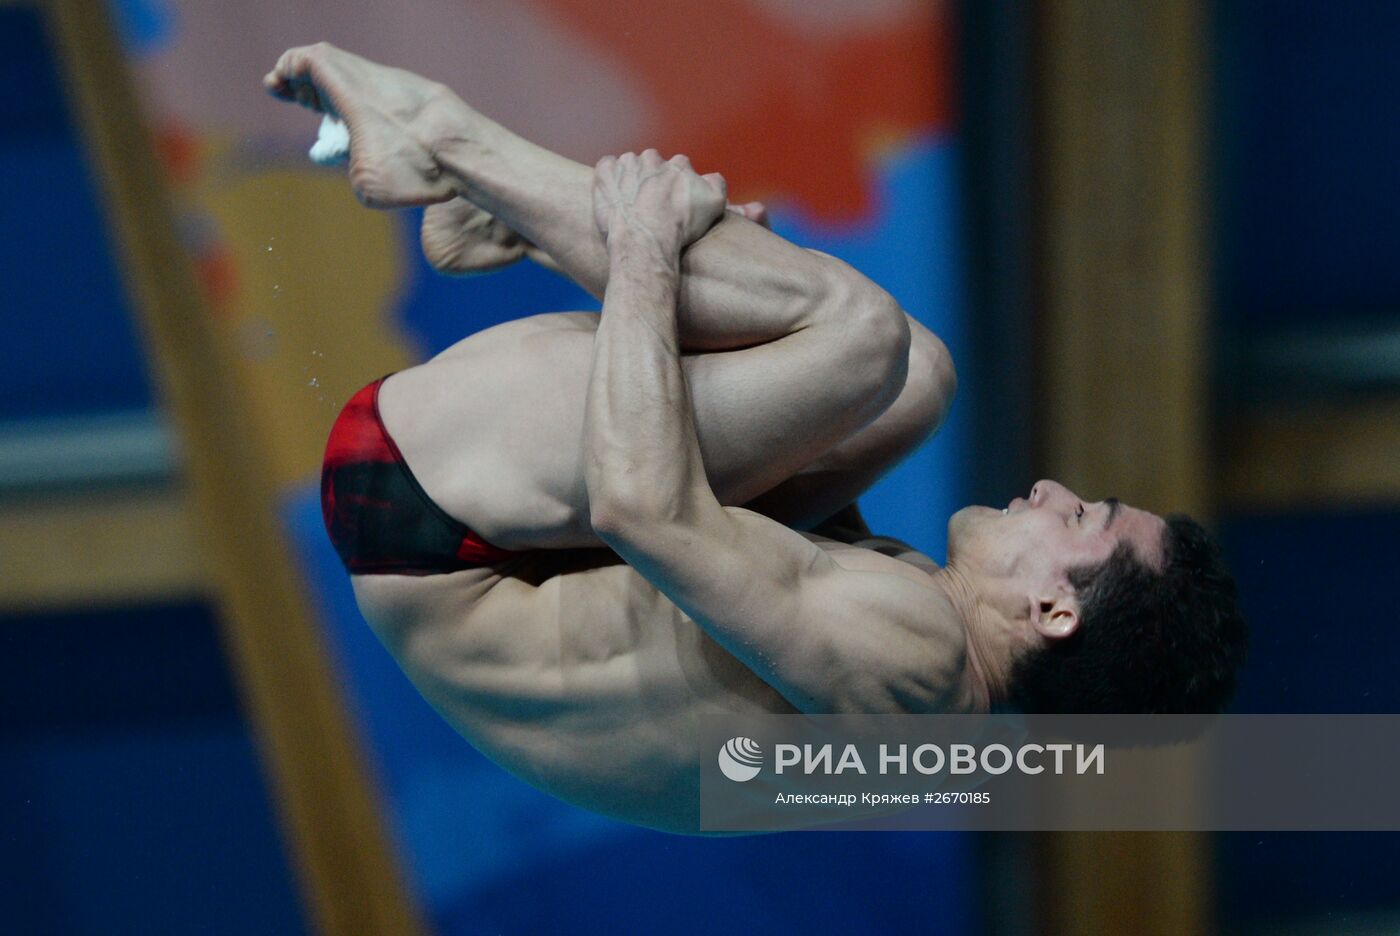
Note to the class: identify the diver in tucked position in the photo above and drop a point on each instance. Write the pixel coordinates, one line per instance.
(729, 367)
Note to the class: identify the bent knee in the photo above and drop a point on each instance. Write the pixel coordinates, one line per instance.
(877, 337)
(931, 384)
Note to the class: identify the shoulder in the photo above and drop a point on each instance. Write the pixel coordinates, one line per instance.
(902, 648)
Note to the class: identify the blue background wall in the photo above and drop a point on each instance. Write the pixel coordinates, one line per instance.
(64, 310)
(131, 800)
(1307, 137)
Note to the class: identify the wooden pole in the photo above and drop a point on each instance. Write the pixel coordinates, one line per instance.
(349, 875)
(1123, 369)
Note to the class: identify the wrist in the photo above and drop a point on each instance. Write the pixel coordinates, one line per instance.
(632, 245)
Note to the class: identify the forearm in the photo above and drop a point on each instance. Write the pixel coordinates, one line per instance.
(642, 457)
(739, 271)
(648, 496)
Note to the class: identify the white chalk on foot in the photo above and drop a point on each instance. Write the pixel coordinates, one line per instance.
(332, 145)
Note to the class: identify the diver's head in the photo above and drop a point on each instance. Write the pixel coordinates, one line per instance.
(1099, 606)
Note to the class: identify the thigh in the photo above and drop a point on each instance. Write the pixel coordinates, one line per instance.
(493, 427)
(840, 475)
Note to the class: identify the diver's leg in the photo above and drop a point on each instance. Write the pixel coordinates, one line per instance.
(839, 476)
(493, 426)
(415, 142)
(809, 352)
(462, 239)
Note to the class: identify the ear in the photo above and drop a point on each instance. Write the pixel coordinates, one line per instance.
(1055, 616)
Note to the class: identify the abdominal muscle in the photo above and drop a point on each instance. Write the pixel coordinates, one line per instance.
(571, 671)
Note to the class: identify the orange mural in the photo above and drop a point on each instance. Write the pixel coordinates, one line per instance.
(789, 98)
(792, 112)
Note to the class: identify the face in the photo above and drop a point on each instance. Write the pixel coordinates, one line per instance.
(1021, 556)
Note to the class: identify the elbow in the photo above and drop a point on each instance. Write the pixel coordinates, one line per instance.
(617, 512)
(609, 518)
(628, 493)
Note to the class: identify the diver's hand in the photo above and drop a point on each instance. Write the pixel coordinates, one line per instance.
(665, 200)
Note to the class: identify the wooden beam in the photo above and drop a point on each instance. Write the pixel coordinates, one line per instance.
(116, 547)
(317, 769)
(1311, 456)
(1122, 357)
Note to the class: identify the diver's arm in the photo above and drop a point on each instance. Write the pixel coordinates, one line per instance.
(829, 639)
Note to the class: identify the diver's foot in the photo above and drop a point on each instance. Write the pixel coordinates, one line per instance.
(459, 239)
(395, 119)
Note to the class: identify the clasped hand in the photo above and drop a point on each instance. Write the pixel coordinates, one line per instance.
(665, 200)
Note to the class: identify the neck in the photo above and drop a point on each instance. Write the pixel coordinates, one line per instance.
(988, 647)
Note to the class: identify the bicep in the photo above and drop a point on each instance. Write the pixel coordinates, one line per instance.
(826, 637)
(736, 573)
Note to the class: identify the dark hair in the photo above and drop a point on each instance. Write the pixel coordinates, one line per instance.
(1149, 641)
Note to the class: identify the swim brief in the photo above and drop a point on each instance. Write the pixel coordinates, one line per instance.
(377, 514)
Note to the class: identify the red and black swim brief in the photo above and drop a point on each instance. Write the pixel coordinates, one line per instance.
(377, 514)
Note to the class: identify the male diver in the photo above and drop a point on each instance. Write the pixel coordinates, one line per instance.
(735, 391)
